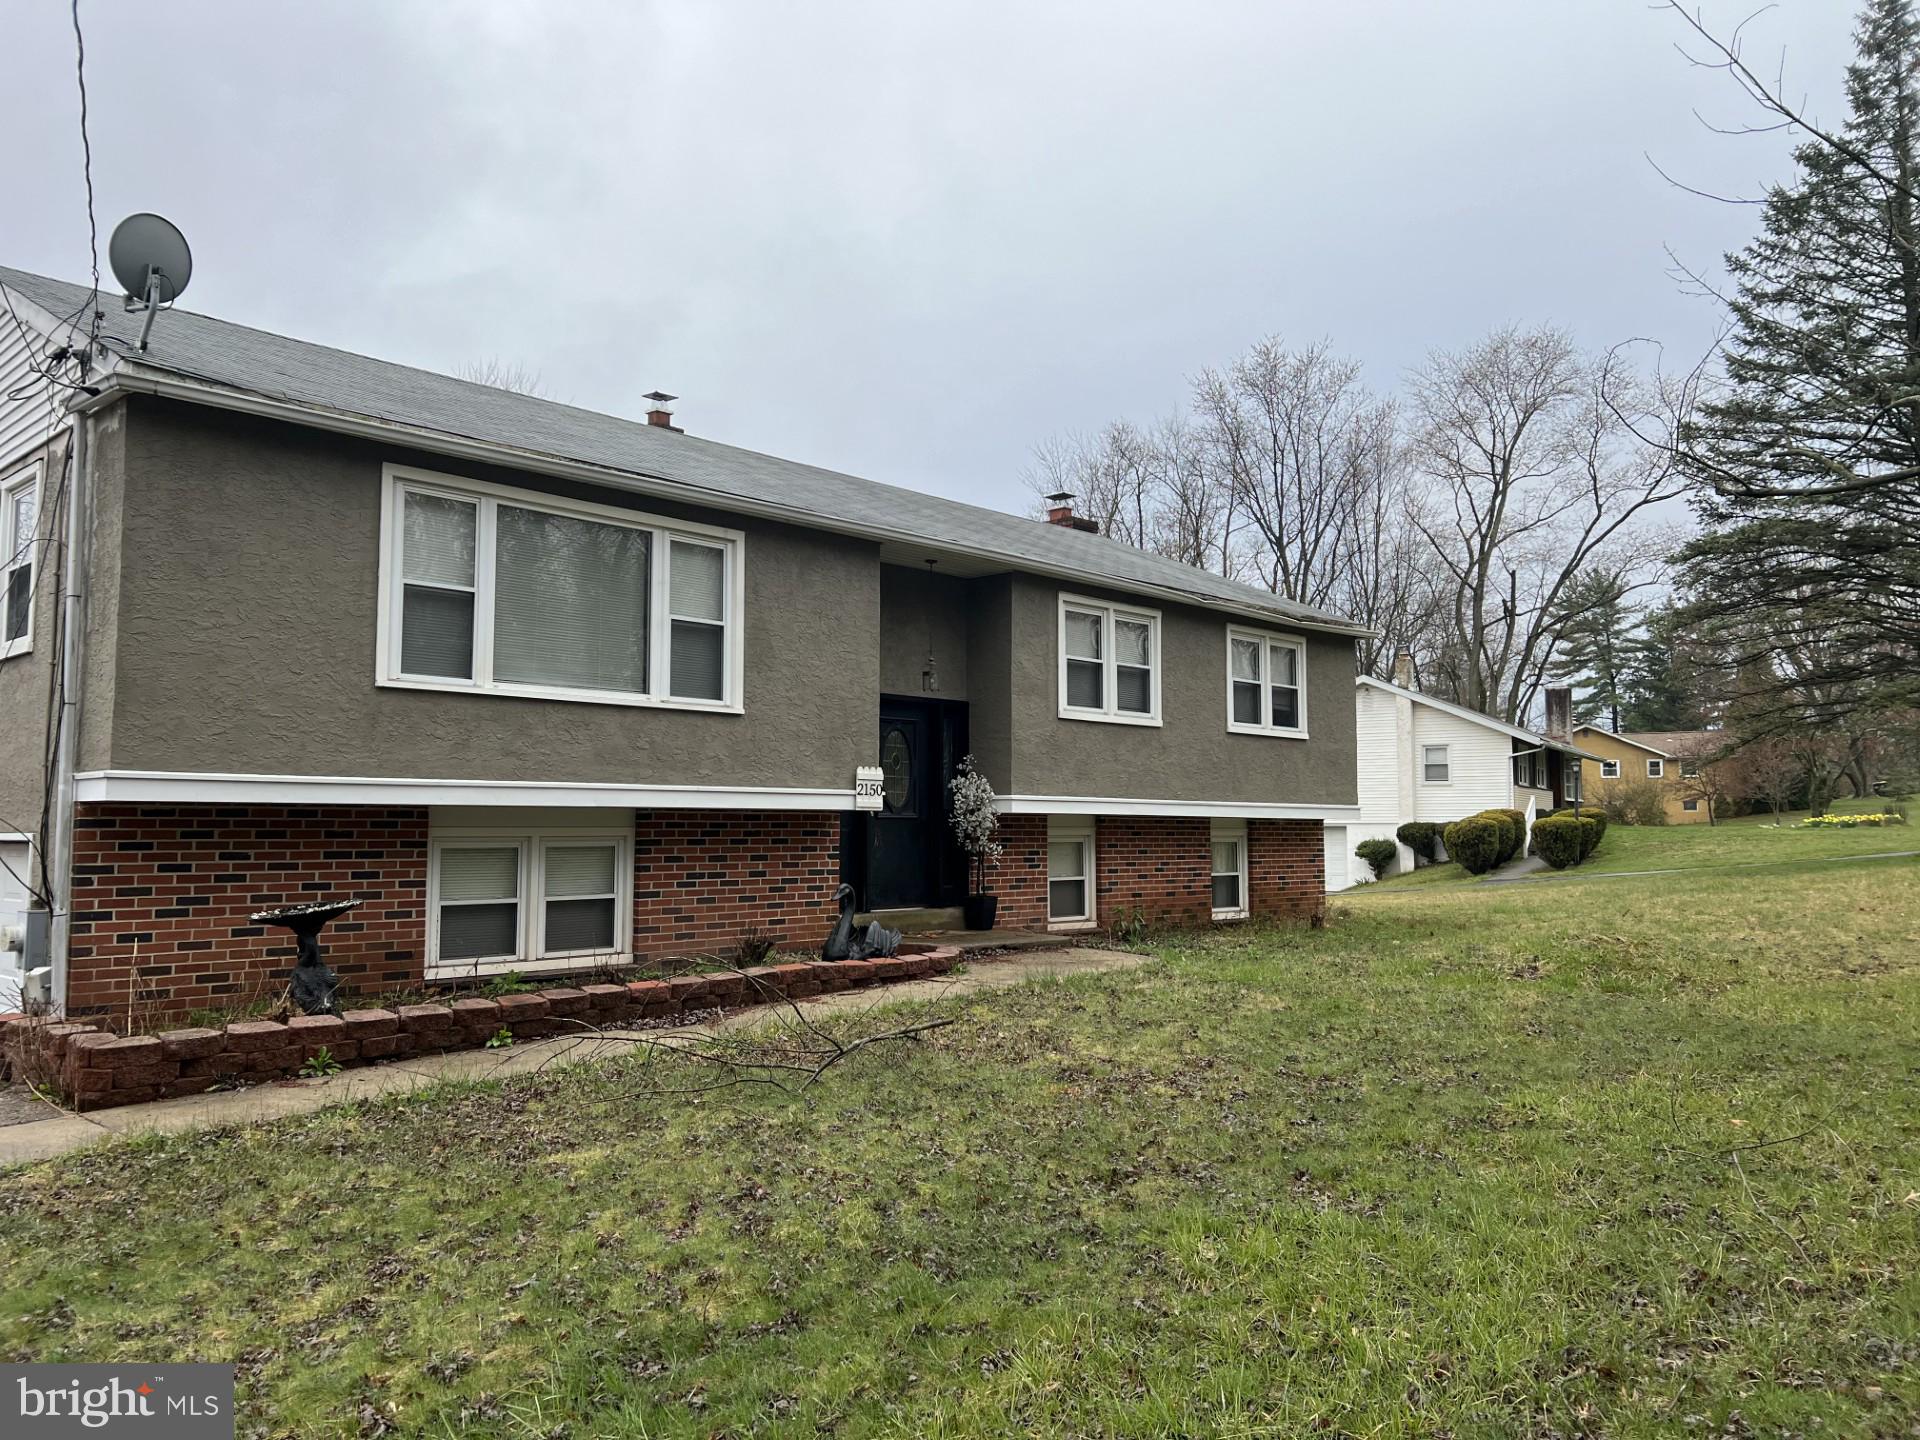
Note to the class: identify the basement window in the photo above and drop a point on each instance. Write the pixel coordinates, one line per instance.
(19, 512)
(1069, 871)
(1229, 869)
(556, 900)
(512, 592)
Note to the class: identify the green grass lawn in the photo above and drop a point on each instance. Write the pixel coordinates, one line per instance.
(1749, 841)
(1636, 1162)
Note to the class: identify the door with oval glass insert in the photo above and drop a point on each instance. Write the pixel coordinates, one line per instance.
(906, 829)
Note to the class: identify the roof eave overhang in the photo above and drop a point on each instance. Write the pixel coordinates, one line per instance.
(127, 376)
(1624, 740)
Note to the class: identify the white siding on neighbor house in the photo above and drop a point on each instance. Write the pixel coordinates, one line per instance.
(1340, 863)
(26, 422)
(1377, 752)
(1479, 760)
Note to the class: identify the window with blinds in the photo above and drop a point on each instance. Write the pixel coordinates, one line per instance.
(506, 591)
(1229, 869)
(1069, 871)
(1266, 683)
(19, 508)
(542, 901)
(1109, 659)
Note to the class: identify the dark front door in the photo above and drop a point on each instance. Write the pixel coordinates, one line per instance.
(911, 858)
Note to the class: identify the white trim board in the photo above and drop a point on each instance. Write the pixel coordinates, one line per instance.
(167, 787)
(1184, 809)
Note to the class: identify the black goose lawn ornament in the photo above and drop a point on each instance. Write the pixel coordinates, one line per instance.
(843, 943)
(312, 987)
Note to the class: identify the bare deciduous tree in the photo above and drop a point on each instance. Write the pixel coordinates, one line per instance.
(505, 375)
(1533, 473)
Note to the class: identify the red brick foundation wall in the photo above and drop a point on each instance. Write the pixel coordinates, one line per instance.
(1287, 868)
(1020, 880)
(162, 895)
(701, 878)
(1160, 866)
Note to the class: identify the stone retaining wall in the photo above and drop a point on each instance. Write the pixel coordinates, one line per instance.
(94, 1068)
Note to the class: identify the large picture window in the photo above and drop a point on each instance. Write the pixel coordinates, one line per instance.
(1266, 684)
(1069, 871)
(521, 594)
(535, 901)
(19, 555)
(1109, 662)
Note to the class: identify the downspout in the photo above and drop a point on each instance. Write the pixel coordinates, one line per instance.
(73, 606)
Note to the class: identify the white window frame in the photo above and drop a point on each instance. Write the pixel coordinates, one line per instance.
(1265, 639)
(1689, 769)
(1446, 759)
(398, 481)
(1081, 829)
(1109, 712)
(1656, 769)
(1690, 805)
(1609, 769)
(1220, 832)
(530, 956)
(23, 481)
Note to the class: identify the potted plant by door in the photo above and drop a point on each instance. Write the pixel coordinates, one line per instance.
(977, 828)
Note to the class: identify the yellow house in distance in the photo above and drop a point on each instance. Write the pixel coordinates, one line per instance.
(1656, 757)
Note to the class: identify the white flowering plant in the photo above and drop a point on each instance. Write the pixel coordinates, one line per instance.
(975, 825)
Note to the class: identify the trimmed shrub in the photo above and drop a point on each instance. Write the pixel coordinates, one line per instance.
(1519, 819)
(1512, 825)
(1475, 842)
(1558, 839)
(1587, 811)
(1591, 829)
(1421, 837)
(1379, 855)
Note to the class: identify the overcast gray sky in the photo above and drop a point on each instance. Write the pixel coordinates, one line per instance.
(902, 240)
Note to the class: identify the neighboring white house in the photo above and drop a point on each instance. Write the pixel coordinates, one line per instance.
(1421, 758)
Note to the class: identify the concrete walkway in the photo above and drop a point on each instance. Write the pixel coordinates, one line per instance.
(1517, 869)
(44, 1139)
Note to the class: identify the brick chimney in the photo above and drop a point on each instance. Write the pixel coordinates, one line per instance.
(660, 412)
(1403, 669)
(1060, 512)
(1559, 712)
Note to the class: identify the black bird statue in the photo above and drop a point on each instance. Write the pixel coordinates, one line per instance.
(844, 944)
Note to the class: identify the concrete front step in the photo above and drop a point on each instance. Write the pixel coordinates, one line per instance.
(915, 922)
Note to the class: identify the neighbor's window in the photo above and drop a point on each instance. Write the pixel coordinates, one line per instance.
(1690, 805)
(1434, 768)
(1109, 662)
(1689, 769)
(1069, 871)
(1229, 869)
(1656, 769)
(19, 505)
(1266, 683)
(1609, 769)
(544, 901)
(519, 594)
(1573, 778)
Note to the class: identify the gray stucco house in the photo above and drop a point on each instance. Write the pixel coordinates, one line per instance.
(549, 690)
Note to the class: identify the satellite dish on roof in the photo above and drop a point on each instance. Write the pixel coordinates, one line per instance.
(152, 262)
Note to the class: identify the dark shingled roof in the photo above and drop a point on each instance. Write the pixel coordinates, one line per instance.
(254, 362)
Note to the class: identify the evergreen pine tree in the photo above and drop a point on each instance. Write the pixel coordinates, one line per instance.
(1810, 453)
(1596, 629)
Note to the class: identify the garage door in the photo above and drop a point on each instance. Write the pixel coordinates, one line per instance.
(1336, 840)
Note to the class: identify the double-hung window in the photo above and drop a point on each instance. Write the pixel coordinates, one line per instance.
(1435, 767)
(1656, 769)
(1609, 769)
(19, 510)
(1229, 869)
(517, 593)
(1266, 683)
(1109, 662)
(537, 901)
(1069, 871)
